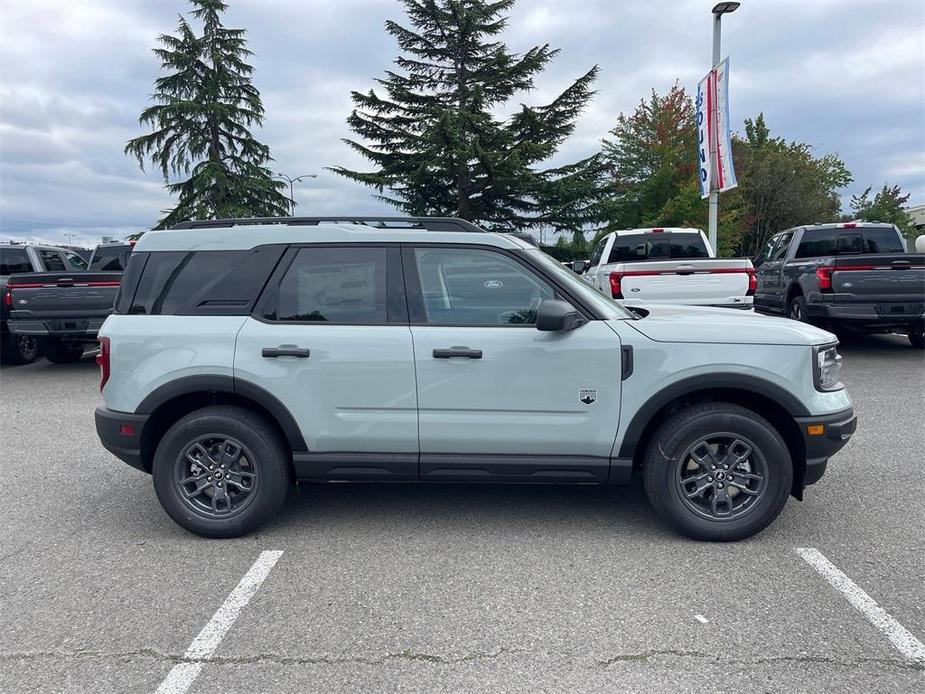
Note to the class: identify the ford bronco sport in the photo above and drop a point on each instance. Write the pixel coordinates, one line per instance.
(244, 355)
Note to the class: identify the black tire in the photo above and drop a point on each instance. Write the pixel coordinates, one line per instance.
(261, 449)
(61, 351)
(670, 457)
(917, 340)
(797, 309)
(19, 349)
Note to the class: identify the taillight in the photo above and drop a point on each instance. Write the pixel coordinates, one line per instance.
(752, 282)
(824, 276)
(615, 289)
(7, 296)
(102, 360)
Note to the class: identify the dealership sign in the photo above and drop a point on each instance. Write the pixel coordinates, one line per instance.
(714, 140)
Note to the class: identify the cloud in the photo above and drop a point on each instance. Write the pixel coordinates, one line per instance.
(843, 75)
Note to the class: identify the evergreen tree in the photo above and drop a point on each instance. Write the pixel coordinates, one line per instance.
(431, 133)
(204, 109)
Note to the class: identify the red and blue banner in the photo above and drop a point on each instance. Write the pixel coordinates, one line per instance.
(714, 137)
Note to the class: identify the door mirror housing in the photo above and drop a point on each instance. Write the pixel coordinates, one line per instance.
(555, 316)
(579, 266)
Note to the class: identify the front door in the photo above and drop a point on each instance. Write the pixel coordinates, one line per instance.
(497, 398)
(331, 341)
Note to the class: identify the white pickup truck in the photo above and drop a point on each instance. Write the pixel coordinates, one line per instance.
(668, 266)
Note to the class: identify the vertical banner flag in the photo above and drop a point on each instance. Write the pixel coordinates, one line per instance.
(714, 140)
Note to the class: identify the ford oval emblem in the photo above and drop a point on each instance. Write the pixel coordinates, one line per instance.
(493, 284)
(634, 289)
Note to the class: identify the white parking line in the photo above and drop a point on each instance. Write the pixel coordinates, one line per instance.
(900, 637)
(180, 678)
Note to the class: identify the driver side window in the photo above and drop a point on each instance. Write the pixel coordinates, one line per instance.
(464, 286)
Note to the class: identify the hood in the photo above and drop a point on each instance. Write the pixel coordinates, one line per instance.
(675, 323)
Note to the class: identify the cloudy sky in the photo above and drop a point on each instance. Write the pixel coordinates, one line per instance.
(847, 76)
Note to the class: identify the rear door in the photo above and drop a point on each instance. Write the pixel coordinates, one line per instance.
(330, 339)
(499, 399)
(770, 279)
(593, 275)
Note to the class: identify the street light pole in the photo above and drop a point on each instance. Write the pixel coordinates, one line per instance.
(718, 11)
(292, 182)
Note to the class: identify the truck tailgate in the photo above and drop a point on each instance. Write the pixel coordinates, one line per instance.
(692, 282)
(888, 281)
(61, 303)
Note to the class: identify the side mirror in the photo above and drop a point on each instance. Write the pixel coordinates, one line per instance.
(920, 244)
(555, 316)
(579, 266)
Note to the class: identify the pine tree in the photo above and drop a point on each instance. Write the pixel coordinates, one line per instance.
(432, 136)
(204, 109)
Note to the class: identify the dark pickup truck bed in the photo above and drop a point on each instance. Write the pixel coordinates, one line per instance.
(63, 310)
(853, 276)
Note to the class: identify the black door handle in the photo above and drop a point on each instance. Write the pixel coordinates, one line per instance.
(272, 352)
(457, 352)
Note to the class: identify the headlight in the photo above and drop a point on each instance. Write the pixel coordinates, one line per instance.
(827, 368)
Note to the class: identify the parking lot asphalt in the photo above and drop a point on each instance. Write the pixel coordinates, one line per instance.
(455, 588)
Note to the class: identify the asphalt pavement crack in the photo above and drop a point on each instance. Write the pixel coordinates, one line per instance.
(647, 657)
(650, 655)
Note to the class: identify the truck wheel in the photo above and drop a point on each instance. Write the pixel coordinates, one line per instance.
(797, 309)
(221, 472)
(61, 351)
(917, 340)
(19, 349)
(717, 471)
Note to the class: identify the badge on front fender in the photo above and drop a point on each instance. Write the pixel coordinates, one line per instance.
(587, 395)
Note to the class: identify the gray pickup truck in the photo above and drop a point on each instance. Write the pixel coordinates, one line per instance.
(28, 258)
(847, 277)
(63, 311)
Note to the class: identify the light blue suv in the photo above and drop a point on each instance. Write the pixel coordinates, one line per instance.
(246, 354)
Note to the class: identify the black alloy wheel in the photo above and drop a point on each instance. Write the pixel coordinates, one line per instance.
(216, 476)
(721, 476)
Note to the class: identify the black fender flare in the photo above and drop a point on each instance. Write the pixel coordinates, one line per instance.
(693, 384)
(214, 383)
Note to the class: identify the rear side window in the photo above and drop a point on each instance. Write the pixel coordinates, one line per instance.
(334, 285)
(824, 242)
(14, 260)
(75, 261)
(110, 258)
(52, 261)
(200, 283)
(638, 247)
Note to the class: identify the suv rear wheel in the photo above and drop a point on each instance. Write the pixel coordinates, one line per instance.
(717, 471)
(221, 472)
(917, 339)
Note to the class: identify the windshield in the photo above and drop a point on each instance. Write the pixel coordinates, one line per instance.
(607, 308)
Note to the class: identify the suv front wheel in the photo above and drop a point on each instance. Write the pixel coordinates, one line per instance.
(221, 472)
(717, 471)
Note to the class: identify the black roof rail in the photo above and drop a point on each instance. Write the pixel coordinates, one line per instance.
(376, 222)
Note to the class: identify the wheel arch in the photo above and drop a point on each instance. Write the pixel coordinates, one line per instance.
(795, 289)
(769, 400)
(176, 399)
